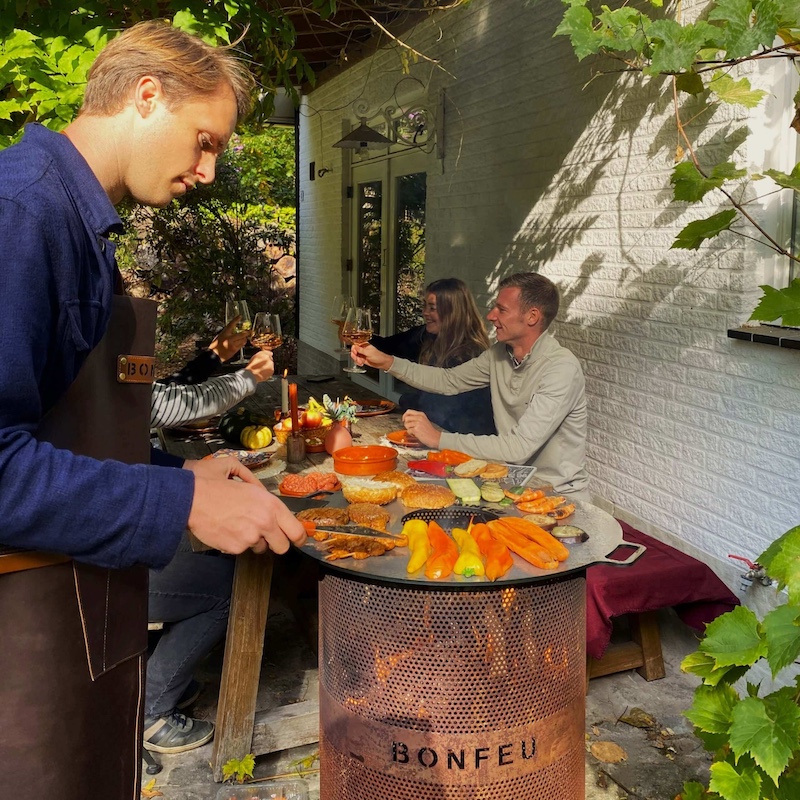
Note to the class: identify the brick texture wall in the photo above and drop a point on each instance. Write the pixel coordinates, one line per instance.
(692, 434)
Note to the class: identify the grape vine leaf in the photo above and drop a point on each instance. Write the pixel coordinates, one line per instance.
(767, 729)
(790, 181)
(677, 45)
(690, 82)
(747, 25)
(691, 185)
(712, 708)
(693, 791)
(779, 304)
(782, 629)
(734, 639)
(782, 558)
(735, 92)
(695, 233)
(577, 24)
(735, 785)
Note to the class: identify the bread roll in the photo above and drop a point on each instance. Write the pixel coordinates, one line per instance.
(365, 490)
(494, 472)
(427, 495)
(398, 479)
(471, 468)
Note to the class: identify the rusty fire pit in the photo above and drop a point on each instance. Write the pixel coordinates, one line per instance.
(454, 689)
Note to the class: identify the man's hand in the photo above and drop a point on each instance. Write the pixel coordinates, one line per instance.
(262, 365)
(371, 356)
(233, 516)
(227, 342)
(419, 426)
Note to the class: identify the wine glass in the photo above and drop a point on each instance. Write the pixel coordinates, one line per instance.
(266, 332)
(339, 308)
(357, 329)
(238, 308)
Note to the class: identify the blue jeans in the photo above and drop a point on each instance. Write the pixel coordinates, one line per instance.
(191, 596)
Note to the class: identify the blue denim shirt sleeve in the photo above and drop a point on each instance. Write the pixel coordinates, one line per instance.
(101, 512)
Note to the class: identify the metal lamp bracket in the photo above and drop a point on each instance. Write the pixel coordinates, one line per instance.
(413, 125)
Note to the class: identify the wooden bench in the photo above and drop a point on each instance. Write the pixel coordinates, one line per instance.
(662, 577)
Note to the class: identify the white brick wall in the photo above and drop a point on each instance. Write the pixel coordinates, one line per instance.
(690, 432)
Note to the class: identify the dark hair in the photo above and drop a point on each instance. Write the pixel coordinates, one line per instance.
(535, 291)
(186, 66)
(462, 334)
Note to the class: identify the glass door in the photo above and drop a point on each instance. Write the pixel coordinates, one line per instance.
(388, 248)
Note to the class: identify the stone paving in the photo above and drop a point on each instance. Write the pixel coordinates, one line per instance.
(659, 757)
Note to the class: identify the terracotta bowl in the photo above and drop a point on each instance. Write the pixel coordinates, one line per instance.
(315, 437)
(367, 459)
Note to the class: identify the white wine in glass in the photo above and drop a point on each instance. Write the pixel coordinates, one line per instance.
(266, 332)
(238, 308)
(357, 329)
(339, 308)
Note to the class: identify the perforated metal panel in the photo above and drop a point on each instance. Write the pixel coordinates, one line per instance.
(432, 694)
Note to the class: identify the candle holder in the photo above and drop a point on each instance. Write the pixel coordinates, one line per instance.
(295, 449)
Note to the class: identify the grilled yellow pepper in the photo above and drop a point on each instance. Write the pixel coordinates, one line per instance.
(469, 560)
(419, 547)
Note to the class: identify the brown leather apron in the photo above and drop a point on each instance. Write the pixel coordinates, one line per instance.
(73, 637)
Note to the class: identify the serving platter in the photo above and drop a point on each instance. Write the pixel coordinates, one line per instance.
(374, 408)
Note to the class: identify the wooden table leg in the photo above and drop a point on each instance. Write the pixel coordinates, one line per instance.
(241, 666)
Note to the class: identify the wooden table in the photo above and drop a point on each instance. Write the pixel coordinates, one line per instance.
(239, 730)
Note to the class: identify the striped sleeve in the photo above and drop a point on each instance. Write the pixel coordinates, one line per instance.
(176, 404)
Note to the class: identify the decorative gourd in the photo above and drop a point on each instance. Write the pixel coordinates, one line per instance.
(254, 437)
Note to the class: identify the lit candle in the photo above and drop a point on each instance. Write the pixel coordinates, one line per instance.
(284, 394)
(293, 408)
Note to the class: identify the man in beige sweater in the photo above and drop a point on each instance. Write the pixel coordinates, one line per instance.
(537, 389)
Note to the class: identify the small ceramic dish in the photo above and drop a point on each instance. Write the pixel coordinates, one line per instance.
(367, 459)
(404, 439)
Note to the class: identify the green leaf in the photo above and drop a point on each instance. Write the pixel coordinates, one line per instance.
(677, 45)
(734, 638)
(791, 181)
(782, 558)
(712, 708)
(691, 185)
(779, 304)
(767, 729)
(624, 29)
(733, 785)
(705, 667)
(577, 24)
(690, 83)
(781, 628)
(745, 26)
(735, 92)
(695, 233)
(693, 791)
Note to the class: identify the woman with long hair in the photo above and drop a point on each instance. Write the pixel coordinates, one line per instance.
(452, 334)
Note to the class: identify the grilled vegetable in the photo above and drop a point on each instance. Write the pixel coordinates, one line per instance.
(469, 555)
(444, 555)
(569, 532)
(416, 531)
(492, 492)
(498, 556)
(542, 520)
(450, 457)
(525, 548)
(465, 489)
(536, 535)
(436, 468)
(524, 494)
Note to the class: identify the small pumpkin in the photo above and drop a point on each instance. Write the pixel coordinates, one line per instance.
(254, 437)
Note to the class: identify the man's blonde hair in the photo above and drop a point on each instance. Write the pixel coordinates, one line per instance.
(186, 66)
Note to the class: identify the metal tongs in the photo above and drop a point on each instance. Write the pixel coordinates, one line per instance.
(358, 530)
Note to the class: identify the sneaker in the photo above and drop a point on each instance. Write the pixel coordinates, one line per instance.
(175, 733)
(190, 694)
